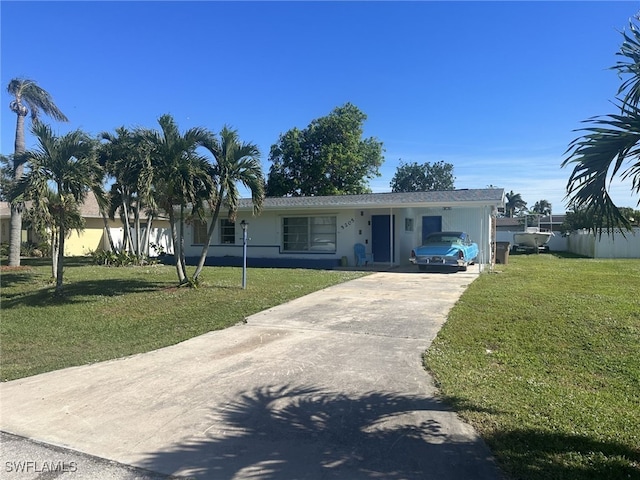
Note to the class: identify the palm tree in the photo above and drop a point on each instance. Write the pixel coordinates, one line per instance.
(126, 157)
(543, 207)
(236, 162)
(27, 97)
(67, 165)
(181, 177)
(609, 148)
(515, 204)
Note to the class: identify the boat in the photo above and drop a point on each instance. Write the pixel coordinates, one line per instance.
(532, 238)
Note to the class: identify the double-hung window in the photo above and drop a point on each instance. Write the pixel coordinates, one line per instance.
(227, 231)
(199, 232)
(309, 234)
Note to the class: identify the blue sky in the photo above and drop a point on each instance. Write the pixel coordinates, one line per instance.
(495, 88)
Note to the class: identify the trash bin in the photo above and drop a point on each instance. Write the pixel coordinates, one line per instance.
(502, 252)
(344, 262)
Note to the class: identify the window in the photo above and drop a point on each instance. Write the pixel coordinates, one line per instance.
(199, 232)
(304, 234)
(227, 231)
(408, 224)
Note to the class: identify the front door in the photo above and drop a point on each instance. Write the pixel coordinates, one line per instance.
(430, 224)
(383, 238)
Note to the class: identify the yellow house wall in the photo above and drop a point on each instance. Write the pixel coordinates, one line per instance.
(89, 240)
(92, 238)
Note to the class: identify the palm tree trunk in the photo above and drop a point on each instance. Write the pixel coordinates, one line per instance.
(54, 253)
(136, 221)
(107, 230)
(205, 247)
(176, 247)
(183, 262)
(147, 234)
(60, 265)
(15, 232)
(125, 222)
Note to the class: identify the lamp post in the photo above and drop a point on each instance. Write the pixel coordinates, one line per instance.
(244, 226)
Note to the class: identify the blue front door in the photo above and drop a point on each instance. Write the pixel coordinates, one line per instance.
(382, 238)
(430, 224)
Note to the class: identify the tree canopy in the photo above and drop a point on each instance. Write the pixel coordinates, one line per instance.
(543, 207)
(413, 177)
(515, 205)
(329, 157)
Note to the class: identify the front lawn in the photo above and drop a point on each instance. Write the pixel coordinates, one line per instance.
(543, 359)
(113, 312)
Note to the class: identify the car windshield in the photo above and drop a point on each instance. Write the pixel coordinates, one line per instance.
(443, 238)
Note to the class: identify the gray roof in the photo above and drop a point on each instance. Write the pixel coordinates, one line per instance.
(485, 196)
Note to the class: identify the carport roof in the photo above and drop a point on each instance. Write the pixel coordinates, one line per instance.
(477, 197)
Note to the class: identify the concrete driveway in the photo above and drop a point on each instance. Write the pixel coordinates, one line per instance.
(330, 385)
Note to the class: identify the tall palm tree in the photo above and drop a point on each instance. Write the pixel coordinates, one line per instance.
(67, 165)
(515, 204)
(236, 162)
(181, 177)
(28, 97)
(609, 148)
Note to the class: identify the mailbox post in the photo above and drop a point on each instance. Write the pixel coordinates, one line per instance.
(244, 226)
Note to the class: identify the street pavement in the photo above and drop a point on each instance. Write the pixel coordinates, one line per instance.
(328, 386)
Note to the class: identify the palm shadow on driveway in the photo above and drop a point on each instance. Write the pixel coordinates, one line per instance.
(307, 433)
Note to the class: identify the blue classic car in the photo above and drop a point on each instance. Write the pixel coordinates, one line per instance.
(450, 250)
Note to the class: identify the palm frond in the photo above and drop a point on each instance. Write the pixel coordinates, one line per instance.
(609, 148)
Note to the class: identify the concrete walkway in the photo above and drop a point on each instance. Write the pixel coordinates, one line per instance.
(330, 385)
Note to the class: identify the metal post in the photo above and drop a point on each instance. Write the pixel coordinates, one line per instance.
(244, 226)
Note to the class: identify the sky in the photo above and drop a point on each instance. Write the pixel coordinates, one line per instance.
(497, 89)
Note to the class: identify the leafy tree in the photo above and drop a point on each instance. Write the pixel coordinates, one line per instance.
(27, 97)
(412, 177)
(578, 218)
(515, 205)
(235, 162)
(181, 178)
(62, 171)
(543, 207)
(329, 157)
(610, 147)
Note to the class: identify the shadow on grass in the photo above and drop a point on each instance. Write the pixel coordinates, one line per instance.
(78, 291)
(282, 432)
(533, 454)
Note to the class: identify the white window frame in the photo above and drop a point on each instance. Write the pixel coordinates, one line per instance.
(309, 234)
(225, 226)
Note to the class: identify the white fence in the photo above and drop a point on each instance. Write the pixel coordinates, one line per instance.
(582, 242)
(159, 240)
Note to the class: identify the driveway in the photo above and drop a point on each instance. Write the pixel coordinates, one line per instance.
(330, 385)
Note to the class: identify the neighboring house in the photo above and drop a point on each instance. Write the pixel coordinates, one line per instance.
(320, 232)
(93, 237)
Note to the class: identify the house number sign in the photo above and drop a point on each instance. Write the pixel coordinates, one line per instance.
(347, 224)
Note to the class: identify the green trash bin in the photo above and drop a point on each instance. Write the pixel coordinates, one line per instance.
(502, 252)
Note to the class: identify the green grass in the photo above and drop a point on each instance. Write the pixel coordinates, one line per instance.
(543, 359)
(113, 312)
